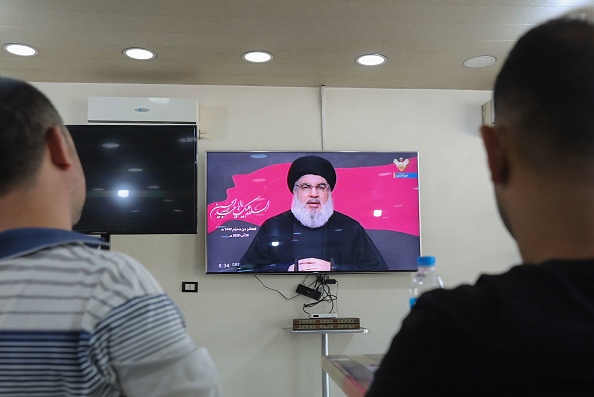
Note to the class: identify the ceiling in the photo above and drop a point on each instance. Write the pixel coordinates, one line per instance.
(314, 42)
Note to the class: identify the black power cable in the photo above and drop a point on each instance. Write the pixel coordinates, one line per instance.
(322, 284)
(281, 294)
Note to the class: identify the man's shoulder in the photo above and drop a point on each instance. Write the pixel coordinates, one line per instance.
(124, 269)
(286, 216)
(513, 291)
(470, 299)
(340, 217)
(499, 325)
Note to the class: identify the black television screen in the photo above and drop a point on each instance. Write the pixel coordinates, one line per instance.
(141, 179)
(265, 215)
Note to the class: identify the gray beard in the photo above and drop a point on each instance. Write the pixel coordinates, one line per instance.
(312, 218)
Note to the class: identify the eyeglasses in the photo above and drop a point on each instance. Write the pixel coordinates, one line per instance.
(320, 187)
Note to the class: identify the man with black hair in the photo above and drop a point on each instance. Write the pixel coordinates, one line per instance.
(311, 236)
(75, 320)
(529, 331)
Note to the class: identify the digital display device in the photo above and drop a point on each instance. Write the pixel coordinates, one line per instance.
(258, 215)
(140, 179)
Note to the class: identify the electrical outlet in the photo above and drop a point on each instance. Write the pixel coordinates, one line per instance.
(189, 286)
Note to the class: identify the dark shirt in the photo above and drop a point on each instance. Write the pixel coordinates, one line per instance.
(527, 332)
(282, 240)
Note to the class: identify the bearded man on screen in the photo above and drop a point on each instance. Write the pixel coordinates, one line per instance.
(311, 236)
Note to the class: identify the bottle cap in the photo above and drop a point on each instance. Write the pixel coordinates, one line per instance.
(426, 261)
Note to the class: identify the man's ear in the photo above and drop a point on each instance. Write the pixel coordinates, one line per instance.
(59, 149)
(497, 155)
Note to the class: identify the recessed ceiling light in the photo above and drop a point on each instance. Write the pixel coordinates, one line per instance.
(139, 53)
(257, 56)
(20, 49)
(371, 59)
(480, 61)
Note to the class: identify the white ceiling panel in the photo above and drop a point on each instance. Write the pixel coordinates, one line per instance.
(314, 42)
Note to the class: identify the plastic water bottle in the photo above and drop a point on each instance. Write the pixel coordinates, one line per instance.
(425, 279)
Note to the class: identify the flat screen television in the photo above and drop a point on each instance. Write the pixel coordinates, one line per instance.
(374, 225)
(141, 179)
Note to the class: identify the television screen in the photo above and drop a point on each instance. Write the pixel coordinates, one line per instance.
(290, 212)
(141, 179)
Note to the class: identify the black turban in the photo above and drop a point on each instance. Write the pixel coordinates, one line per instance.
(313, 165)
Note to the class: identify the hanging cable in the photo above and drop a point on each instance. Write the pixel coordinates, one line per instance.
(327, 296)
(283, 295)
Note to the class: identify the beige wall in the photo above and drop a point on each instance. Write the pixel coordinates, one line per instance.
(238, 319)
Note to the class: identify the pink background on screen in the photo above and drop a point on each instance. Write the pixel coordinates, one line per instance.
(359, 191)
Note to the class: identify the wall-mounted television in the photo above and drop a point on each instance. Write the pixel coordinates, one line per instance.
(316, 212)
(141, 179)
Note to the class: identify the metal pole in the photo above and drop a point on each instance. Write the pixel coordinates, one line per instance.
(325, 377)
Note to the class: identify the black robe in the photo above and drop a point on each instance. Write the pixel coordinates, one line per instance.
(282, 240)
